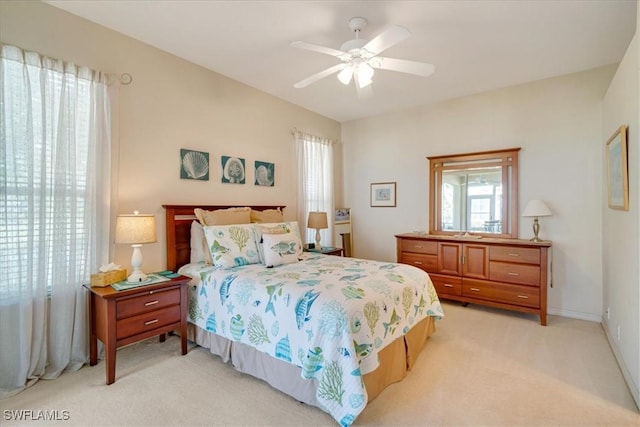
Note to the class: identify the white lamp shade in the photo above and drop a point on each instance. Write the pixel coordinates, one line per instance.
(536, 208)
(136, 229)
(317, 220)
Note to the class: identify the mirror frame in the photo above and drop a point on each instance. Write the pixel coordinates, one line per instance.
(507, 158)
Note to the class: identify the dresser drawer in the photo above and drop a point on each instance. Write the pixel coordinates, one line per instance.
(525, 296)
(147, 322)
(514, 254)
(446, 285)
(419, 246)
(425, 262)
(147, 302)
(522, 274)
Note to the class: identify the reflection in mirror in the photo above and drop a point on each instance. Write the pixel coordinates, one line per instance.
(474, 193)
(472, 200)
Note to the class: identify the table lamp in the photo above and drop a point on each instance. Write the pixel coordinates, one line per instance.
(536, 208)
(136, 230)
(317, 220)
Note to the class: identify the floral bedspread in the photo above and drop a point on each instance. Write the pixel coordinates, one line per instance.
(327, 315)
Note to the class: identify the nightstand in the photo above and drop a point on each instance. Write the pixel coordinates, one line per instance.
(119, 318)
(327, 250)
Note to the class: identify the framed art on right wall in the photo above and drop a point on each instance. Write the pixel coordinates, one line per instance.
(617, 170)
(383, 194)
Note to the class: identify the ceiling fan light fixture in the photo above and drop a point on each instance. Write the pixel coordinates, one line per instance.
(364, 75)
(345, 75)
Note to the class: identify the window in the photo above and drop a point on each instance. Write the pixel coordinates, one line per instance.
(54, 210)
(49, 161)
(315, 180)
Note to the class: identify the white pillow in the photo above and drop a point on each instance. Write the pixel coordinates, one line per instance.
(232, 245)
(276, 228)
(199, 250)
(280, 248)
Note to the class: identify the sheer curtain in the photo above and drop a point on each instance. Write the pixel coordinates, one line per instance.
(315, 182)
(54, 211)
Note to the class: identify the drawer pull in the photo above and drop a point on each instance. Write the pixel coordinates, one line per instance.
(417, 246)
(151, 322)
(417, 262)
(151, 303)
(474, 289)
(523, 296)
(511, 254)
(513, 274)
(448, 285)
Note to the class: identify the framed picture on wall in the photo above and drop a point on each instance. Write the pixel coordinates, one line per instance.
(617, 170)
(194, 164)
(383, 194)
(233, 170)
(265, 174)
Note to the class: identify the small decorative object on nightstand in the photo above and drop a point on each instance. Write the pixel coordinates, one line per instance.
(119, 318)
(327, 250)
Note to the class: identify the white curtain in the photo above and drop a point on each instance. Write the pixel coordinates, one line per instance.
(54, 211)
(315, 183)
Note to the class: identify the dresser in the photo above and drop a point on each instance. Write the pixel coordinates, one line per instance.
(505, 273)
(119, 318)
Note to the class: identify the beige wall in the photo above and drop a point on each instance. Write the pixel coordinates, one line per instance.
(558, 124)
(172, 104)
(621, 253)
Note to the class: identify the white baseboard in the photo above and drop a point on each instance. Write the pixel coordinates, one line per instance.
(623, 368)
(575, 314)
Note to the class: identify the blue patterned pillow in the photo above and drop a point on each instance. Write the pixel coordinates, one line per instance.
(232, 245)
(280, 248)
(276, 228)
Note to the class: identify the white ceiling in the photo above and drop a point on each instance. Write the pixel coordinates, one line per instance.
(475, 45)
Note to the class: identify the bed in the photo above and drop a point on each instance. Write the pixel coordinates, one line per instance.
(330, 331)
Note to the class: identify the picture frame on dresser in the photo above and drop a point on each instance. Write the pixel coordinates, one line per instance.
(617, 170)
(383, 194)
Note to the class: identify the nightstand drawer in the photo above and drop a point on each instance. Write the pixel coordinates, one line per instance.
(148, 302)
(521, 274)
(420, 246)
(526, 296)
(425, 262)
(147, 322)
(511, 254)
(447, 285)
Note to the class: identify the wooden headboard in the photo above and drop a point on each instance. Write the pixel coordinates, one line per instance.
(178, 219)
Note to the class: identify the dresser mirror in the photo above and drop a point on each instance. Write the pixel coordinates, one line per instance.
(474, 193)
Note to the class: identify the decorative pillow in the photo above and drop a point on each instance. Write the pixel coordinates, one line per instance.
(223, 216)
(276, 228)
(267, 216)
(232, 245)
(199, 250)
(280, 248)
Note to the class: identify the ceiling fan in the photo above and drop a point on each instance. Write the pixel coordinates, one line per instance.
(360, 57)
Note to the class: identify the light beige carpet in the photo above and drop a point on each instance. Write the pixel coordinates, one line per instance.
(482, 367)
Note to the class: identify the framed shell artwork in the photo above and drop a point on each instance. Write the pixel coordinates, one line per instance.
(264, 174)
(194, 165)
(233, 170)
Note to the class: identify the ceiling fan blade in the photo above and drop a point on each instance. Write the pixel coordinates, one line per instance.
(403, 66)
(317, 48)
(392, 35)
(317, 76)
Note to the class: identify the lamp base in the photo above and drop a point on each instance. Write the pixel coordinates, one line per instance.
(138, 277)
